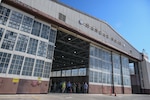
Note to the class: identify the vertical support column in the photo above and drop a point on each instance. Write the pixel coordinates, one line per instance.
(88, 68)
(137, 74)
(112, 76)
(121, 75)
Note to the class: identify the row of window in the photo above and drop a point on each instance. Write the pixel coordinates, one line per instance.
(71, 72)
(100, 77)
(100, 60)
(26, 24)
(26, 44)
(20, 65)
(106, 78)
(101, 54)
(100, 64)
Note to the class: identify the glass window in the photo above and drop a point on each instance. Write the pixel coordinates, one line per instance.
(54, 73)
(50, 51)
(96, 53)
(39, 68)
(82, 71)
(91, 62)
(42, 49)
(74, 72)
(108, 78)
(96, 77)
(99, 64)
(100, 53)
(9, 40)
(58, 73)
(26, 24)
(91, 76)
(15, 20)
(36, 28)
(16, 64)
(22, 43)
(92, 50)
(116, 64)
(1, 33)
(47, 69)
(104, 78)
(45, 31)
(100, 77)
(4, 14)
(32, 48)
(126, 81)
(28, 66)
(52, 36)
(68, 72)
(4, 61)
(117, 79)
(63, 72)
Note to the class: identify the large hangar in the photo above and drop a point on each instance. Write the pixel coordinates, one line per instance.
(43, 43)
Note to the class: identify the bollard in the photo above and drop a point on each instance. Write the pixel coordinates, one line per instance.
(115, 94)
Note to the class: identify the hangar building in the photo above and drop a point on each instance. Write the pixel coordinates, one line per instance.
(42, 42)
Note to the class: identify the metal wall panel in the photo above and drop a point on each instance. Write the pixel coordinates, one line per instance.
(72, 18)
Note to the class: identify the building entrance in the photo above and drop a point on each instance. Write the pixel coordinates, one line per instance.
(70, 62)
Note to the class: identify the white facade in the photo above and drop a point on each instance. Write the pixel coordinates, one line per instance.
(90, 26)
(22, 50)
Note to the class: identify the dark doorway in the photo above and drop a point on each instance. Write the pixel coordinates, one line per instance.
(71, 59)
(135, 78)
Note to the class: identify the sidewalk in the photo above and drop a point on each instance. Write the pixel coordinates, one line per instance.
(68, 96)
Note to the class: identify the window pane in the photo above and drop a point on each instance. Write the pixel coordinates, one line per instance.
(1, 33)
(9, 40)
(100, 77)
(74, 72)
(91, 76)
(82, 71)
(26, 24)
(4, 61)
(63, 72)
(22, 43)
(36, 28)
(39, 68)
(96, 77)
(42, 49)
(47, 69)
(15, 20)
(50, 51)
(45, 31)
(4, 14)
(28, 66)
(52, 36)
(16, 65)
(32, 48)
(68, 72)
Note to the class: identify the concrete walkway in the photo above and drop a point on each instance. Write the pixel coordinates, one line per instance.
(59, 96)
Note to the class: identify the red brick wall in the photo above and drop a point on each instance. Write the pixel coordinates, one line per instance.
(99, 89)
(118, 90)
(127, 90)
(7, 86)
(44, 87)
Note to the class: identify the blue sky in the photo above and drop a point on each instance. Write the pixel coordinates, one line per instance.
(130, 18)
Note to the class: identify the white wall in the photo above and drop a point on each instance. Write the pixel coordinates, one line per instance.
(72, 18)
(145, 66)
